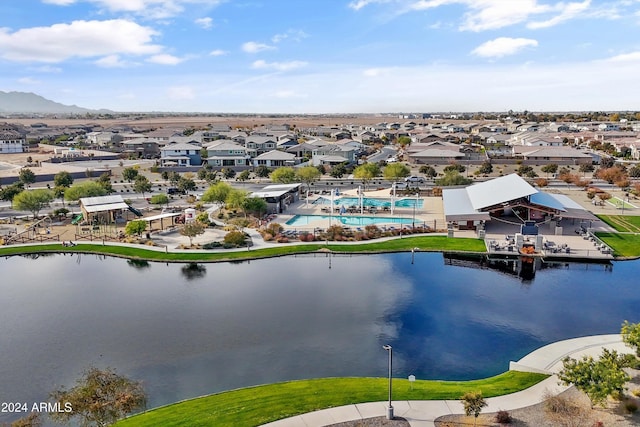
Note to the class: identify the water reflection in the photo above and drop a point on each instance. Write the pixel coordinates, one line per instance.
(290, 318)
(193, 271)
(139, 264)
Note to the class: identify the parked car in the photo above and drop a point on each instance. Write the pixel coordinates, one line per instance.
(173, 190)
(414, 179)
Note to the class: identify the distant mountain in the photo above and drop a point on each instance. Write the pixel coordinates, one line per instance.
(27, 102)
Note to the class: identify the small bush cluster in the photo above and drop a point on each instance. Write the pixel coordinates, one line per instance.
(503, 417)
(235, 238)
(212, 245)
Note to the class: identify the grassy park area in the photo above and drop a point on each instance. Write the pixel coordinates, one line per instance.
(254, 406)
(626, 241)
(424, 243)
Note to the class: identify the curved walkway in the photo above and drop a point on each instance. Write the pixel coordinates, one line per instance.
(422, 413)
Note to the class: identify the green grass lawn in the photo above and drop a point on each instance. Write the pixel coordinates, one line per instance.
(623, 244)
(259, 405)
(425, 243)
(622, 223)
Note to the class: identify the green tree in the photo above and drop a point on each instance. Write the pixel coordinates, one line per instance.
(403, 141)
(338, 171)
(33, 200)
(10, 191)
(262, 171)
(395, 172)
(135, 227)
(366, 172)
(99, 398)
(283, 175)
(142, 185)
(308, 175)
(192, 229)
(598, 379)
(104, 181)
(244, 175)
(428, 171)
(485, 168)
(186, 184)
(588, 167)
(473, 403)
(84, 189)
(453, 178)
(255, 206)
(236, 199)
(62, 179)
(159, 199)
(26, 176)
(631, 335)
(217, 193)
(174, 178)
(129, 174)
(550, 168)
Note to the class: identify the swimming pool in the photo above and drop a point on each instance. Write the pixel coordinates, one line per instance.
(369, 201)
(300, 220)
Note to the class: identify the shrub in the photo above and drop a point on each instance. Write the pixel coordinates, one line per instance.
(212, 245)
(503, 417)
(306, 237)
(274, 228)
(282, 239)
(267, 237)
(636, 392)
(630, 406)
(235, 238)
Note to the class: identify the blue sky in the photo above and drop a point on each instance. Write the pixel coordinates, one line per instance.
(324, 56)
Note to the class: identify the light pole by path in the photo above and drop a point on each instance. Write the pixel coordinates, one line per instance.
(390, 407)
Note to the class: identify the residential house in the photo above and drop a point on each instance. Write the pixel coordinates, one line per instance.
(547, 155)
(227, 153)
(142, 147)
(261, 144)
(333, 154)
(12, 141)
(180, 154)
(164, 135)
(275, 158)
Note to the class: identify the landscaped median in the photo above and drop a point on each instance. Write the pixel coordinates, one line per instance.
(254, 406)
(422, 243)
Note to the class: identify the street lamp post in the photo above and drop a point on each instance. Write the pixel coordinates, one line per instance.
(390, 407)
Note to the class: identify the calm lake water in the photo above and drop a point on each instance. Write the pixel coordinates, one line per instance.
(188, 330)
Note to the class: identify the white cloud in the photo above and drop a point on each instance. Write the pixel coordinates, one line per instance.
(218, 52)
(165, 59)
(278, 66)
(80, 39)
(483, 15)
(151, 8)
(205, 23)
(28, 81)
(625, 57)
(288, 94)
(46, 69)
(375, 72)
(295, 35)
(503, 46)
(181, 93)
(255, 47)
(111, 61)
(568, 11)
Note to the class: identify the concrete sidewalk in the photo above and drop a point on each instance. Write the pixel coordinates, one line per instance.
(422, 413)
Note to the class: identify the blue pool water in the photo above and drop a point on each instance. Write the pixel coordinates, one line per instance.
(369, 201)
(348, 220)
